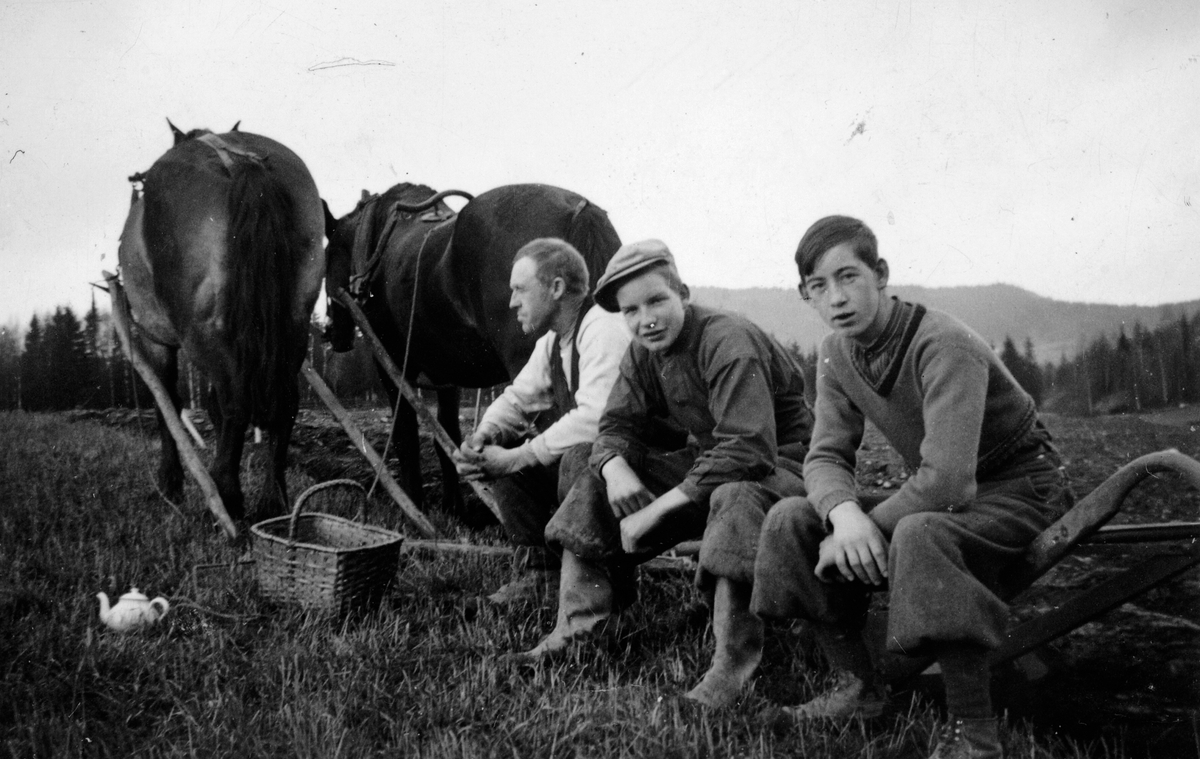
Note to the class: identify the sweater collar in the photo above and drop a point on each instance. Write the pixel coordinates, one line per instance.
(879, 363)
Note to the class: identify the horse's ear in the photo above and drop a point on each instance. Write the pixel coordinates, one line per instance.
(235, 126)
(330, 221)
(365, 196)
(179, 135)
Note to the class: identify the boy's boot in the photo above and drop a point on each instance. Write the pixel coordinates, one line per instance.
(967, 678)
(739, 641)
(853, 692)
(585, 603)
(977, 738)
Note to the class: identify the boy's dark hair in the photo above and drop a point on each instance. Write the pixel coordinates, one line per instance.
(556, 258)
(830, 232)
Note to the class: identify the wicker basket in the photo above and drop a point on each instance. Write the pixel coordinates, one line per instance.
(324, 563)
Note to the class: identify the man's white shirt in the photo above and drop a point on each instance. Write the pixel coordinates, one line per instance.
(603, 341)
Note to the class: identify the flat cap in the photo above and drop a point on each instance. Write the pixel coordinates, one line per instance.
(629, 260)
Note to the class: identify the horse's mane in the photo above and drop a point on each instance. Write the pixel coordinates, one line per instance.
(264, 248)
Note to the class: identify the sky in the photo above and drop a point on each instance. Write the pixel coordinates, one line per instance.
(1052, 146)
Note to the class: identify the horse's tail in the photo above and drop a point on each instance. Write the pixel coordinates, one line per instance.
(592, 234)
(263, 253)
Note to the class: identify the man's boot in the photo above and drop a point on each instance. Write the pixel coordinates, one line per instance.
(537, 578)
(585, 603)
(969, 739)
(739, 641)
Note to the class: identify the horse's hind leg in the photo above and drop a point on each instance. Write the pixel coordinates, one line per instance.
(164, 359)
(273, 498)
(452, 500)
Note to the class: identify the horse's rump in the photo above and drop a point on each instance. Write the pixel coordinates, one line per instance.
(234, 256)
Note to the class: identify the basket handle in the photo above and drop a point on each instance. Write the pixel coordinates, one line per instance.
(313, 490)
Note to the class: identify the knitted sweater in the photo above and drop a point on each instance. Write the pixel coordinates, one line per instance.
(940, 396)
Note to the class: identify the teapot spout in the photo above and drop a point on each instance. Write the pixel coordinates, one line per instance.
(105, 610)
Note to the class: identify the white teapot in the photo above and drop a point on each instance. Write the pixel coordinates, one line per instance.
(133, 610)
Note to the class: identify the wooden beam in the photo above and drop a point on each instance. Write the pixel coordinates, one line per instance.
(366, 449)
(678, 562)
(121, 321)
(1091, 513)
(440, 436)
(1091, 603)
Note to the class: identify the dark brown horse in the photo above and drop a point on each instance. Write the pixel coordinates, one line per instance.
(221, 256)
(434, 286)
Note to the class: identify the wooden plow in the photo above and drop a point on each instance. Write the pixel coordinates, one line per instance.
(1085, 523)
(440, 436)
(367, 450)
(122, 320)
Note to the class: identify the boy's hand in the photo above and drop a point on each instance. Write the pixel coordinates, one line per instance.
(857, 548)
(626, 493)
(636, 527)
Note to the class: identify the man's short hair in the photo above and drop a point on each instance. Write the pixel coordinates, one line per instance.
(557, 258)
(830, 232)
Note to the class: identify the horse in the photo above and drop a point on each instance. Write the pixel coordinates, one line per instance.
(434, 287)
(222, 255)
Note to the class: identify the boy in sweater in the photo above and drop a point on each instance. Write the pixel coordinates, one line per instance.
(986, 481)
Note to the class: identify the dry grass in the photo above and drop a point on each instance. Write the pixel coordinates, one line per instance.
(420, 678)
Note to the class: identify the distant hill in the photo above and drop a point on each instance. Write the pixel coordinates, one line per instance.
(1056, 327)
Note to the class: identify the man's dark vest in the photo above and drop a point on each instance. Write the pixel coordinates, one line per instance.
(563, 387)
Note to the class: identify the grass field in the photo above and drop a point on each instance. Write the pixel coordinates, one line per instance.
(226, 674)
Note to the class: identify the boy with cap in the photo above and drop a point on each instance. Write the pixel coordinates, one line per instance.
(533, 441)
(705, 429)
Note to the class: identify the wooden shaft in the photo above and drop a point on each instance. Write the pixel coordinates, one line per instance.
(440, 436)
(121, 319)
(360, 442)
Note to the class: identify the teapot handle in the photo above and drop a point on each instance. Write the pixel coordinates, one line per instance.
(160, 601)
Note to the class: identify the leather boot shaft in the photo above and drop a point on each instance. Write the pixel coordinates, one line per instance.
(738, 634)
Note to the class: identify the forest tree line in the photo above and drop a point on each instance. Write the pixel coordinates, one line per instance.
(64, 362)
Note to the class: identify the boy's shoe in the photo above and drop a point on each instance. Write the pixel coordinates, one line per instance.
(969, 739)
(849, 697)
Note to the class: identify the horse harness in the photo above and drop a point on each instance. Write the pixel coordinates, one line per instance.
(224, 151)
(360, 283)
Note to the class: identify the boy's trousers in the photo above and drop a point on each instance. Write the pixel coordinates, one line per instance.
(943, 566)
(728, 524)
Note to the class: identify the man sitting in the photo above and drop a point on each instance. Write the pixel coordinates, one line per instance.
(561, 392)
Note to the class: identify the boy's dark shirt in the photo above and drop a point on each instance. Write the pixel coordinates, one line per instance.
(738, 394)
